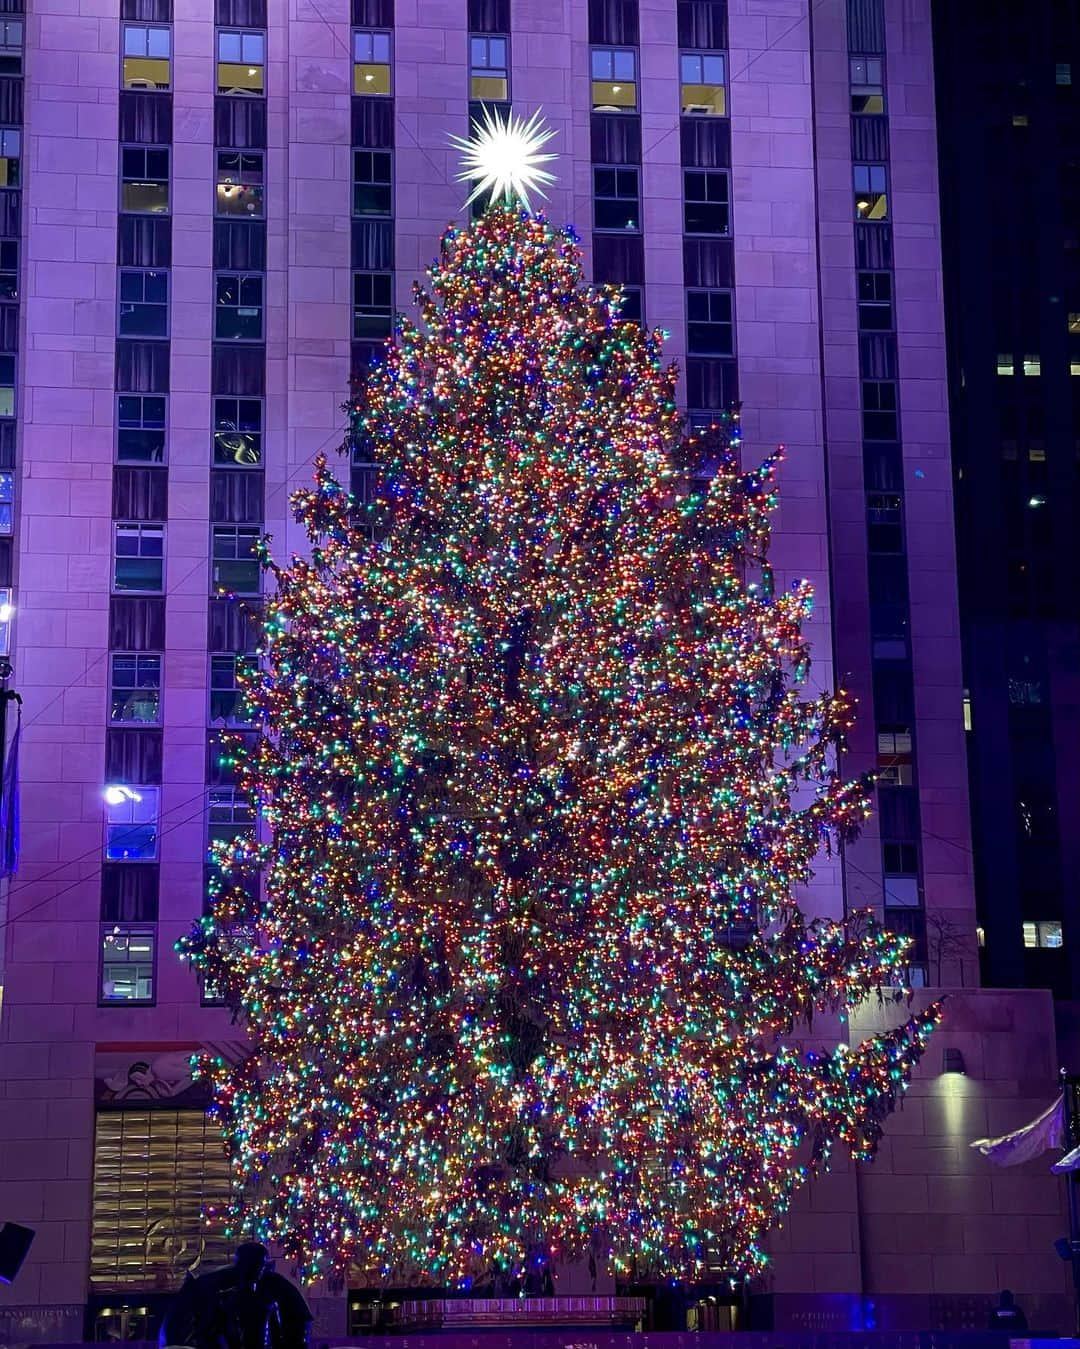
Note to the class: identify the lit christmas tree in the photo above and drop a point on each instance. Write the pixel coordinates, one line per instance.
(541, 787)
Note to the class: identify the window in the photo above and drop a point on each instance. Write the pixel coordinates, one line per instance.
(1074, 367)
(614, 79)
(154, 1172)
(226, 699)
(879, 409)
(1006, 364)
(139, 561)
(10, 156)
(372, 193)
(238, 431)
(135, 687)
(147, 53)
(371, 62)
(1032, 365)
(901, 866)
(144, 303)
(709, 327)
(241, 64)
(239, 190)
(127, 963)
(871, 197)
(238, 311)
(1019, 119)
(231, 816)
(615, 199)
(884, 528)
(144, 179)
(140, 428)
(1045, 932)
(704, 92)
(706, 197)
(235, 559)
(11, 46)
(894, 756)
(489, 69)
(372, 311)
(9, 269)
(7, 501)
(632, 309)
(1063, 73)
(867, 85)
(131, 824)
(875, 301)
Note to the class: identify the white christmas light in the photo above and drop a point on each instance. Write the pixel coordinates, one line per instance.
(503, 157)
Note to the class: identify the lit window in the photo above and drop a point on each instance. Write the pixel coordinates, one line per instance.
(710, 330)
(11, 46)
(871, 196)
(875, 301)
(230, 818)
(703, 80)
(489, 69)
(144, 179)
(235, 559)
(10, 156)
(131, 824)
(1045, 932)
(1019, 119)
(372, 308)
(1006, 363)
(614, 79)
(7, 613)
(7, 502)
(239, 189)
(1063, 73)
(867, 85)
(135, 687)
(967, 710)
(127, 963)
(371, 62)
(144, 303)
(9, 269)
(140, 428)
(372, 193)
(980, 936)
(237, 431)
(226, 698)
(147, 57)
(139, 560)
(615, 198)
(241, 65)
(879, 409)
(238, 310)
(1074, 367)
(1032, 365)
(894, 757)
(706, 199)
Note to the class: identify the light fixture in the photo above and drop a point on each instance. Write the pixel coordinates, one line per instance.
(116, 794)
(7, 611)
(952, 1061)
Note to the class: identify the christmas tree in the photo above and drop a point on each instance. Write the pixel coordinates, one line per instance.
(541, 777)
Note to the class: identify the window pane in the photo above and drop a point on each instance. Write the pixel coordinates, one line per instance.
(229, 46)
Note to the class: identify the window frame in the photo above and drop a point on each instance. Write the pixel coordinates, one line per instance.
(875, 171)
(242, 279)
(867, 89)
(149, 529)
(233, 800)
(617, 172)
(111, 932)
(143, 304)
(11, 148)
(258, 435)
(488, 71)
(146, 180)
(872, 305)
(233, 91)
(611, 81)
(699, 109)
(376, 308)
(147, 28)
(371, 62)
(139, 658)
(710, 293)
(707, 175)
(219, 532)
(257, 191)
(143, 801)
(233, 660)
(142, 398)
(7, 23)
(357, 182)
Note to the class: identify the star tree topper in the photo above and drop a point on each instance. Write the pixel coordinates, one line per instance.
(503, 157)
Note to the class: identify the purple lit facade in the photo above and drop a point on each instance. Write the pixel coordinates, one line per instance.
(217, 219)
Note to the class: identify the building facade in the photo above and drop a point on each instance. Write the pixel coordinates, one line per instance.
(210, 220)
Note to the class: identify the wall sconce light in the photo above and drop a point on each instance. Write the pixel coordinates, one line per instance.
(953, 1062)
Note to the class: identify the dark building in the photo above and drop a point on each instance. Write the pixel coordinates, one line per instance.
(1008, 93)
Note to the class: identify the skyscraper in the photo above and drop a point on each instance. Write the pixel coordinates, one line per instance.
(206, 233)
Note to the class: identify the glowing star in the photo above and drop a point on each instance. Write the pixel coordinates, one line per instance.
(503, 157)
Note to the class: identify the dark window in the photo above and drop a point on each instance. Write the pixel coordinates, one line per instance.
(633, 308)
(227, 705)
(884, 522)
(613, 21)
(238, 431)
(875, 301)
(240, 183)
(239, 246)
(129, 894)
(9, 269)
(702, 24)
(373, 123)
(236, 498)
(372, 191)
(11, 46)
(144, 241)
(136, 624)
(145, 118)
(238, 370)
(615, 194)
(234, 626)
(140, 430)
(241, 13)
(900, 859)
(135, 687)
(372, 308)
(879, 409)
(485, 16)
(133, 756)
(238, 310)
(139, 493)
(144, 303)
(706, 202)
(144, 179)
(373, 13)
(240, 122)
(142, 367)
(139, 559)
(710, 331)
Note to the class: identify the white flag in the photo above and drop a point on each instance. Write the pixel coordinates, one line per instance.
(1048, 1131)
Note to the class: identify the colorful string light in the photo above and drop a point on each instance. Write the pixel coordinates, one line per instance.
(541, 784)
